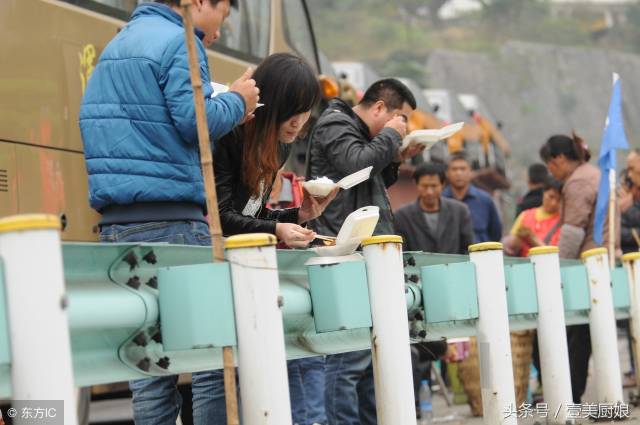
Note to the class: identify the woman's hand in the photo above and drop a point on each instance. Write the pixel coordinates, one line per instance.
(525, 234)
(313, 207)
(293, 235)
(534, 241)
(512, 245)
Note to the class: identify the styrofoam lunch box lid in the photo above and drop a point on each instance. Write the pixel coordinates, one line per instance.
(430, 137)
(223, 88)
(322, 188)
(218, 88)
(358, 226)
(355, 178)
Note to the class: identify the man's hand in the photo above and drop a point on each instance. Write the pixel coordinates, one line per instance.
(313, 207)
(293, 235)
(625, 199)
(245, 86)
(399, 124)
(409, 152)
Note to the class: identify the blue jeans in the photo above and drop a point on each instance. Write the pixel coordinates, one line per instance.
(156, 401)
(306, 386)
(349, 392)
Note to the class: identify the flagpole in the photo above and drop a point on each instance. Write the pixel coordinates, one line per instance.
(612, 202)
(612, 218)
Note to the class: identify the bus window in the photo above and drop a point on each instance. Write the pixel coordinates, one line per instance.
(245, 33)
(298, 30)
(258, 16)
(231, 33)
(126, 5)
(121, 9)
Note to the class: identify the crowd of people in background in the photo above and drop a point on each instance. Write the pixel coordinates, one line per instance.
(450, 213)
(150, 189)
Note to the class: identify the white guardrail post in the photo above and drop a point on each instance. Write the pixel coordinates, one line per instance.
(262, 362)
(41, 364)
(390, 344)
(494, 339)
(552, 334)
(631, 262)
(602, 327)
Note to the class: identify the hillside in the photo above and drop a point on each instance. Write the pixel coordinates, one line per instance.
(540, 69)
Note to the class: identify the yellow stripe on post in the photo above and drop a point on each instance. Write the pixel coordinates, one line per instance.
(631, 256)
(29, 222)
(250, 240)
(592, 252)
(485, 246)
(547, 249)
(382, 239)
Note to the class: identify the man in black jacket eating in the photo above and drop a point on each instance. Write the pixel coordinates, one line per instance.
(346, 140)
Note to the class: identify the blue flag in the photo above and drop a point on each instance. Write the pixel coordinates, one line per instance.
(612, 139)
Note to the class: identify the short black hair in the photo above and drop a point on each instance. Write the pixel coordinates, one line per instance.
(456, 156)
(538, 173)
(429, 169)
(232, 3)
(551, 183)
(391, 91)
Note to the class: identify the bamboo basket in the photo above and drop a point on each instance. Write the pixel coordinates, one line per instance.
(469, 370)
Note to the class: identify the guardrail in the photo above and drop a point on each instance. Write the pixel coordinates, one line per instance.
(135, 310)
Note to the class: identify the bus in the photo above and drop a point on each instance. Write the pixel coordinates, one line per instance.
(49, 50)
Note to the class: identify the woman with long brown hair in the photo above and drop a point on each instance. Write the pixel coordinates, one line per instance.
(248, 159)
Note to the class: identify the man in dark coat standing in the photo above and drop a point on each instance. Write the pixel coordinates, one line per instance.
(434, 223)
(346, 140)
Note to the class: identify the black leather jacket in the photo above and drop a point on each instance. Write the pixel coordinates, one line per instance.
(233, 195)
(340, 144)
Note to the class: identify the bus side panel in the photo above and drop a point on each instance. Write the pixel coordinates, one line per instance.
(55, 182)
(49, 51)
(226, 69)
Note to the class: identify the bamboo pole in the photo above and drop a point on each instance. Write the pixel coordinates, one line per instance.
(636, 237)
(206, 163)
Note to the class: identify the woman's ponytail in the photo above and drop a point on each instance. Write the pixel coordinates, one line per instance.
(580, 148)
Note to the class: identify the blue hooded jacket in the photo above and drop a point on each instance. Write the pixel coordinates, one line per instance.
(137, 116)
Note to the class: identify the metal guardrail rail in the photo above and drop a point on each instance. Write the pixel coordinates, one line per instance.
(114, 307)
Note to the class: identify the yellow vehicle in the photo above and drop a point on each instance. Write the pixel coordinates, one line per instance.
(48, 51)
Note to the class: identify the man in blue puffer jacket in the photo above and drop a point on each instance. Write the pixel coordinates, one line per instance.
(138, 127)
